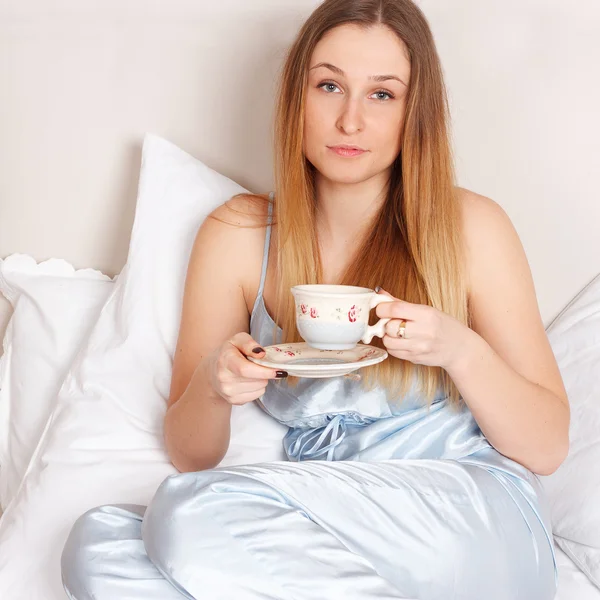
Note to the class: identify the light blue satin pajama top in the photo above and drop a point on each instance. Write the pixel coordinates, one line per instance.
(378, 500)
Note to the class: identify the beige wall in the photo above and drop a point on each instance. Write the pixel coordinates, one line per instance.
(82, 81)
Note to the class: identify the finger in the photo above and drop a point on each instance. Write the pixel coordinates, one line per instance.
(248, 370)
(399, 344)
(233, 386)
(245, 398)
(408, 357)
(399, 309)
(247, 345)
(412, 329)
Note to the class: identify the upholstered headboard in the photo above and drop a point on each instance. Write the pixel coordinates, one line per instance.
(81, 82)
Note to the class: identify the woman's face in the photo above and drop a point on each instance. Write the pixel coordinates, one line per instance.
(345, 105)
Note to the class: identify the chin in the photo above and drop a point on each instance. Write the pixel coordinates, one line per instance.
(347, 178)
(337, 174)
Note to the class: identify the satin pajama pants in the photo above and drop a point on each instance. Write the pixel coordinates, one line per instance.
(412, 529)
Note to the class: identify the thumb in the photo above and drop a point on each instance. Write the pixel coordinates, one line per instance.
(248, 345)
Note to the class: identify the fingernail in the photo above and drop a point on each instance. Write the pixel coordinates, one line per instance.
(258, 350)
(281, 374)
(378, 288)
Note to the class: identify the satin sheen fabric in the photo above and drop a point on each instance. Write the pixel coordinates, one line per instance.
(381, 498)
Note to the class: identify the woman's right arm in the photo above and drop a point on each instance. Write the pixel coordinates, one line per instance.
(210, 371)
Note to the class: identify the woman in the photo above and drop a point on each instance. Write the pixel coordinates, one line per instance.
(423, 483)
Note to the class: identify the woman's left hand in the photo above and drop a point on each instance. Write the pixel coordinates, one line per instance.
(431, 337)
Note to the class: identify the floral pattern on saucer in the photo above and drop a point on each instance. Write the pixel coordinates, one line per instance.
(302, 360)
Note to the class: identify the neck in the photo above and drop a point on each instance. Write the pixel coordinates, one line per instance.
(345, 211)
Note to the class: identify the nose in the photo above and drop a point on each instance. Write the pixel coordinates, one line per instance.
(351, 118)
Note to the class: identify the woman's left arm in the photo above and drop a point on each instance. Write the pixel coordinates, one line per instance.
(504, 366)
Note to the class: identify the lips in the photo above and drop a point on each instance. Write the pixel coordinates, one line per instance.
(346, 147)
(347, 151)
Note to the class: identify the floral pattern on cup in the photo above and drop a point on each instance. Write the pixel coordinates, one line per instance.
(305, 309)
(354, 313)
(312, 312)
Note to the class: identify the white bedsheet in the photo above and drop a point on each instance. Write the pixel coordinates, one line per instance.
(572, 583)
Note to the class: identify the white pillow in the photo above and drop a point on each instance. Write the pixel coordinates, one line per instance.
(103, 443)
(574, 489)
(54, 308)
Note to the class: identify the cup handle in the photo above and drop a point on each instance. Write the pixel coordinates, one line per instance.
(378, 328)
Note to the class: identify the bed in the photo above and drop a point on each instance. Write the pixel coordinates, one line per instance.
(109, 109)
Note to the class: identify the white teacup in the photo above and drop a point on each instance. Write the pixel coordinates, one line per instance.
(336, 317)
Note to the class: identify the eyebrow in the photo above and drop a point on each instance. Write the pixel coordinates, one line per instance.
(378, 78)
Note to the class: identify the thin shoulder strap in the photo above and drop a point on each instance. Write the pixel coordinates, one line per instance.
(263, 273)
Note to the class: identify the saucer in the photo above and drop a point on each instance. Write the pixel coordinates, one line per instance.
(301, 360)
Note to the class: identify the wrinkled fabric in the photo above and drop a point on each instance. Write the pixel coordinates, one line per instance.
(379, 499)
(425, 529)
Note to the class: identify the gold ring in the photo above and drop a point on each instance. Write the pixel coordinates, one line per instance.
(401, 329)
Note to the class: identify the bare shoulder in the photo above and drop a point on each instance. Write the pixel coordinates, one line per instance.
(232, 231)
(245, 210)
(479, 210)
(489, 235)
(237, 227)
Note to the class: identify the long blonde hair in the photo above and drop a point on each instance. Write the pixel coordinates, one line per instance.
(418, 229)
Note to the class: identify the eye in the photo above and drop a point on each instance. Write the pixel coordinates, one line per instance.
(328, 84)
(390, 96)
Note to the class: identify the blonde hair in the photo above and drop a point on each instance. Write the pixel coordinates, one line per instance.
(418, 229)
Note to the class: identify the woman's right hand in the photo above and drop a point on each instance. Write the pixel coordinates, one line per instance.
(234, 377)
